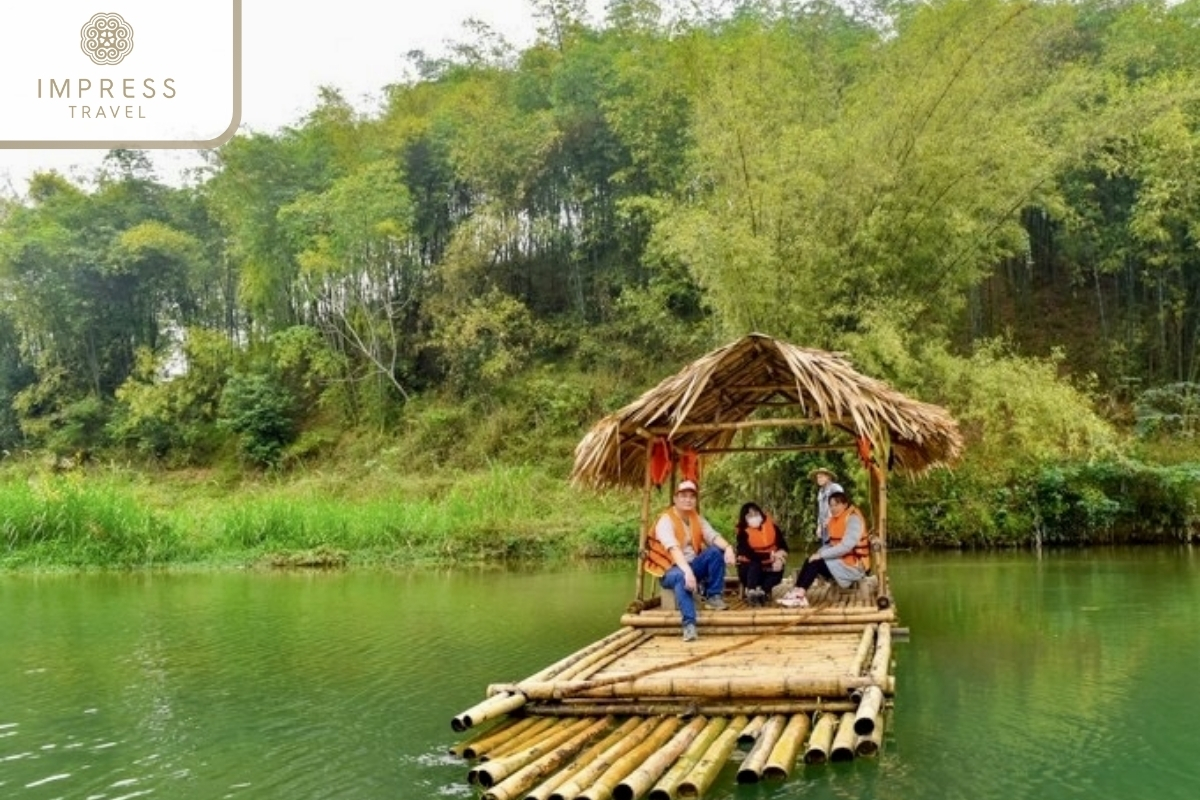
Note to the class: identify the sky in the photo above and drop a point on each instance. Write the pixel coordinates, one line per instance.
(292, 47)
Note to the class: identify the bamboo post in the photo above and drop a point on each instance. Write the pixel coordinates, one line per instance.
(543, 790)
(879, 479)
(636, 783)
(821, 741)
(605, 785)
(868, 710)
(668, 785)
(488, 709)
(843, 741)
(752, 766)
(705, 772)
(640, 594)
(883, 654)
(870, 744)
(496, 737)
(587, 776)
(497, 769)
(526, 777)
(783, 755)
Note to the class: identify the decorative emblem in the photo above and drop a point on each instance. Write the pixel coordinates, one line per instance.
(106, 38)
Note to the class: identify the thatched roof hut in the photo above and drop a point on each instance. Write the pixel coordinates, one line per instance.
(709, 401)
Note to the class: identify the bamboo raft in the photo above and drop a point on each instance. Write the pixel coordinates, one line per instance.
(641, 713)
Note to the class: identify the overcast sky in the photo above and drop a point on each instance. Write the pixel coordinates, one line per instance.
(291, 47)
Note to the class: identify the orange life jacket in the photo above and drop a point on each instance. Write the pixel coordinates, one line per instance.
(860, 556)
(658, 560)
(762, 539)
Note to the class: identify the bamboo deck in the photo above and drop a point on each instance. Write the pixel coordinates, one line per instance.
(641, 713)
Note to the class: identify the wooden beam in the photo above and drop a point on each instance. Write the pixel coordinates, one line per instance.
(780, 448)
(699, 427)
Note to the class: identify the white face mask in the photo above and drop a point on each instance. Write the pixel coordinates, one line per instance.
(754, 521)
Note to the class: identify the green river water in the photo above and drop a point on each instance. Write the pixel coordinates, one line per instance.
(1072, 674)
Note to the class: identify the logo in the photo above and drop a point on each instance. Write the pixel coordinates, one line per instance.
(106, 38)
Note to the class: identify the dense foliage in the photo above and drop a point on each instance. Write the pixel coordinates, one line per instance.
(992, 204)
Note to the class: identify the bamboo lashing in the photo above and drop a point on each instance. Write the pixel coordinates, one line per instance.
(843, 740)
(638, 782)
(587, 776)
(705, 772)
(497, 769)
(495, 737)
(870, 744)
(543, 790)
(606, 784)
(868, 710)
(821, 740)
(525, 778)
(488, 709)
(668, 785)
(752, 765)
(783, 755)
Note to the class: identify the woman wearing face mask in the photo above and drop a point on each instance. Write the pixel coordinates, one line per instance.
(761, 553)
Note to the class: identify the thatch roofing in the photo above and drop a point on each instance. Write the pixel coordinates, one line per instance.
(731, 383)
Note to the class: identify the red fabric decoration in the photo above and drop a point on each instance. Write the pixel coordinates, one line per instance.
(689, 465)
(660, 461)
(864, 451)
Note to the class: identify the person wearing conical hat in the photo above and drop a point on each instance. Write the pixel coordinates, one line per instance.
(826, 485)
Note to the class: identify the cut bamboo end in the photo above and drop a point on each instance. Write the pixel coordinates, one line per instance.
(868, 710)
(843, 741)
(491, 708)
(821, 741)
(638, 782)
(705, 772)
(869, 746)
(752, 765)
(486, 744)
(783, 756)
(528, 776)
(668, 785)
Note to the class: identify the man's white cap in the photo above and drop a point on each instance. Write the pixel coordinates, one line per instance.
(688, 486)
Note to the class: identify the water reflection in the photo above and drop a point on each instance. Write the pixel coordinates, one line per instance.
(1067, 675)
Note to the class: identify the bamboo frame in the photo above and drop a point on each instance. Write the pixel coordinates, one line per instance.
(768, 687)
(620, 634)
(650, 708)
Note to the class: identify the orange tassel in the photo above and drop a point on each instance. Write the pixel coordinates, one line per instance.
(660, 461)
(689, 465)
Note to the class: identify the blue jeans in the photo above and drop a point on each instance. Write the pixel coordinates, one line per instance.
(709, 569)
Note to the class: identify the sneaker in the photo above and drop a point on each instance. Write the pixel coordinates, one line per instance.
(689, 632)
(716, 603)
(794, 599)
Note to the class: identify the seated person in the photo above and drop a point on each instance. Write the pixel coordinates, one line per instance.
(845, 559)
(761, 553)
(686, 553)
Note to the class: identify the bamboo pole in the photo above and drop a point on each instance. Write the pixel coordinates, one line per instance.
(621, 634)
(489, 709)
(638, 782)
(865, 646)
(572, 788)
(868, 710)
(525, 738)
(543, 790)
(752, 766)
(497, 769)
(686, 708)
(884, 597)
(715, 620)
(460, 748)
(705, 772)
(783, 756)
(821, 740)
(645, 529)
(750, 630)
(767, 687)
(525, 778)
(496, 737)
(605, 655)
(750, 733)
(870, 744)
(883, 654)
(605, 785)
(843, 741)
(668, 785)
